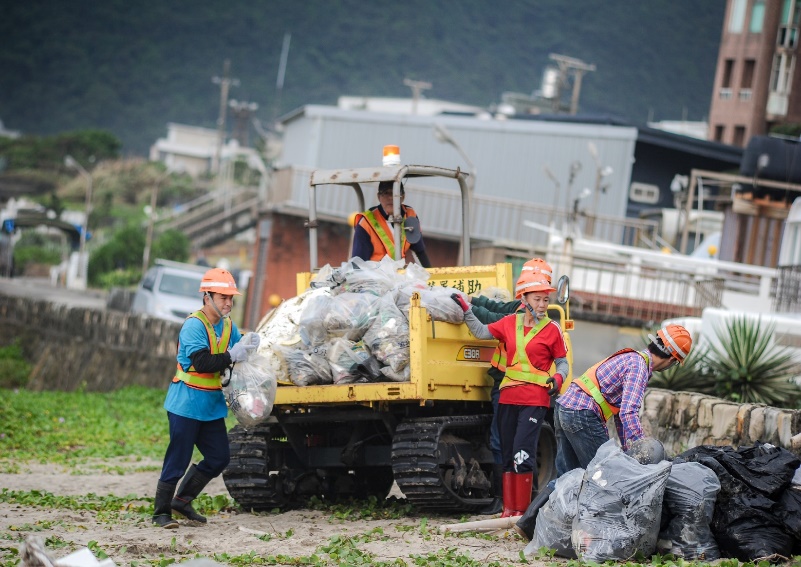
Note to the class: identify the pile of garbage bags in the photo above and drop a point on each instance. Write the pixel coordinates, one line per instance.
(352, 324)
(709, 502)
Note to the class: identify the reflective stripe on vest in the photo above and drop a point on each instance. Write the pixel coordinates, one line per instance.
(589, 383)
(381, 235)
(499, 357)
(206, 380)
(521, 370)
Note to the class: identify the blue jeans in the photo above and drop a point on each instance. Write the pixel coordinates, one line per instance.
(211, 439)
(579, 433)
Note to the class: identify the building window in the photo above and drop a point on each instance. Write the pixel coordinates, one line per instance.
(747, 80)
(644, 193)
(745, 95)
(739, 136)
(757, 16)
(728, 67)
(782, 73)
(725, 94)
(737, 15)
(718, 136)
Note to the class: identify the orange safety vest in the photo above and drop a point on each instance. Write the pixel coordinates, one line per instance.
(499, 356)
(521, 371)
(589, 383)
(380, 232)
(206, 380)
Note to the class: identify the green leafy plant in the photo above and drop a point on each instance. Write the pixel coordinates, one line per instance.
(14, 368)
(749, 367)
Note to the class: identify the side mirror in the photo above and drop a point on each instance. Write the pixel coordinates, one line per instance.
(563, 290)
(412, 227)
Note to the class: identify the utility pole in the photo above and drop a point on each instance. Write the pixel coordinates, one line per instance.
(568, 65)
(225, 83)
(242, 111)
(279, 80)
(417, 87)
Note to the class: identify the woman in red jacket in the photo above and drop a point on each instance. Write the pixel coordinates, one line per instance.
(533, 344)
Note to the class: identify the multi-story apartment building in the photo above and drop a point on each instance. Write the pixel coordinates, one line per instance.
(757, 85)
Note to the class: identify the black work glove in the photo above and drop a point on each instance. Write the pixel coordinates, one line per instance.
(554, 385)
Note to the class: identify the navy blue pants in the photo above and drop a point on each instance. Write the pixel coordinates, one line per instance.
(211, 439)
(495, 436)
(519, 428)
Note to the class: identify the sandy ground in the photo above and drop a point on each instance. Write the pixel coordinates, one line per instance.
(295, 533)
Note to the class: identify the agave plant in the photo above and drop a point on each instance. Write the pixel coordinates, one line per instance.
(749, 368)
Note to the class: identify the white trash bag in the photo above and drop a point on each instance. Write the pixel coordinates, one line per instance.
(249, 390)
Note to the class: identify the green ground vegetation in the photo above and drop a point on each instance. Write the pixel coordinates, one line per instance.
(74, 428)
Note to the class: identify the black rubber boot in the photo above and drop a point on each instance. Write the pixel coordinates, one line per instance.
(525, 525)
(162, 512)
(497, 490)
(193, 484)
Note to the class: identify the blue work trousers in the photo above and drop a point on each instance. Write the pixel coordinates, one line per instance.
(579, 433)
(519, 427)
(495, 436)
(211, 439)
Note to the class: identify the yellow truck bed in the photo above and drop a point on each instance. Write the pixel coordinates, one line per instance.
(447, 361)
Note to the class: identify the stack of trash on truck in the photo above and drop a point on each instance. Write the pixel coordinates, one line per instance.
(706, 503)
(351, 326)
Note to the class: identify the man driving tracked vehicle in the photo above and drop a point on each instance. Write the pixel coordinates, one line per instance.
(373, 237)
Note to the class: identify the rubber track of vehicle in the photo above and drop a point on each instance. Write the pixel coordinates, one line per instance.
(415, 462)
(247, 475)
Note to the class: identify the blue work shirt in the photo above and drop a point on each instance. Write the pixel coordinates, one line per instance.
(191, 402)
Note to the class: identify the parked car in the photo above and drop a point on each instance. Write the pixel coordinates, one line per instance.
(169, 290)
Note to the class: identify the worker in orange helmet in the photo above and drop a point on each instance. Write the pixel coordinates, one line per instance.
(612, 388)
(533, 343)
(489, 311)
(208, 343)
(373, 236)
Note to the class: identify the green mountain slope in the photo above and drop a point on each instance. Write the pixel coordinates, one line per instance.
(131, 66)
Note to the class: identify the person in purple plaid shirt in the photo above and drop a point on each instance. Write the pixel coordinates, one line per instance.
(614, 387)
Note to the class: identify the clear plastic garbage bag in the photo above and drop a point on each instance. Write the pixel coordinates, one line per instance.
(249, 390)
(306, 366)
(388, 336)
(619, 507)
(555, 519)
(344, 357)
(345, 315)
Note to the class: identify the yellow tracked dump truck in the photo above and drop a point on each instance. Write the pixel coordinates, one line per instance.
(430, 434)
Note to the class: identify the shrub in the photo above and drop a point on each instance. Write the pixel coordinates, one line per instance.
(749, 367)
(14, 369)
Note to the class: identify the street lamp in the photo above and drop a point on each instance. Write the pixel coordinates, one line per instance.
(445, 137)
(69, 161)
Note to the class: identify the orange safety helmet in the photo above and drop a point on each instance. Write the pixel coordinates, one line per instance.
(676, 341)
(538, 265)
(217, 280)
(531, 280)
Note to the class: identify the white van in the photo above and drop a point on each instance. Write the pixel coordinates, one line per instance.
(169, 290)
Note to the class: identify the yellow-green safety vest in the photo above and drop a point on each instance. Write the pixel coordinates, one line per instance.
(521, 369)
(589, 383)
(206, 380)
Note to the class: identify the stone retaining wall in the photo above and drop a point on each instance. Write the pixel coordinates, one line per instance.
(682, 420)
(98, 350)
(101, 350)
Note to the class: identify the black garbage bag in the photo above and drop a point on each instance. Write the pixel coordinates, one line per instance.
(689, 506)
(763, 467)
(747, 523)
(789, 511)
